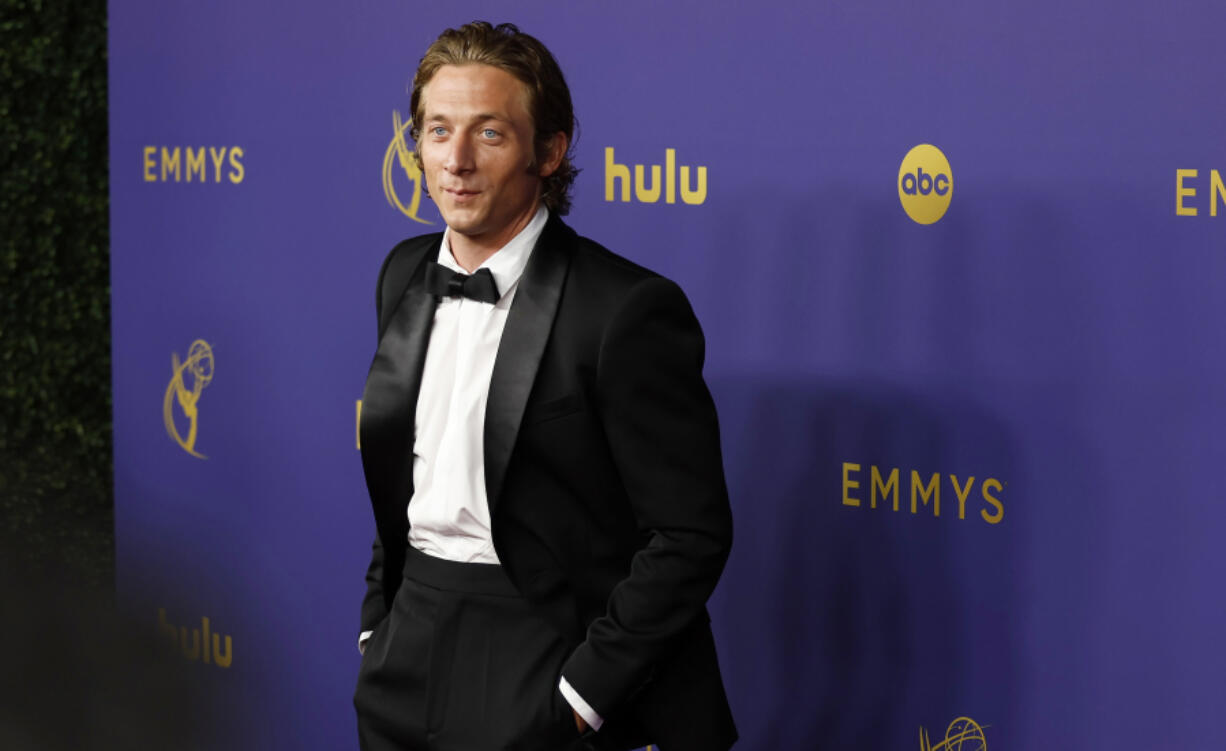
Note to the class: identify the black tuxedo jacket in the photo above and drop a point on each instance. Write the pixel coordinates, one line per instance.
(608, 505)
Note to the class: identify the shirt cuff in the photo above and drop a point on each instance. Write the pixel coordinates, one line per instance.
(579, 705)
(362, 639)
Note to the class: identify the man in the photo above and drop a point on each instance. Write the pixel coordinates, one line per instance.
(541, 451)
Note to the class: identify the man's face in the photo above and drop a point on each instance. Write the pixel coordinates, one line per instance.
(476, 146)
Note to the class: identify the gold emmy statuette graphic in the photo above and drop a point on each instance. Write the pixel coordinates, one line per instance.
(197, 368)
(398, 152)
(963, 734)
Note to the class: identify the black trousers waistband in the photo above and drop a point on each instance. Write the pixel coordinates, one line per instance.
(462, 662)
(455, 576)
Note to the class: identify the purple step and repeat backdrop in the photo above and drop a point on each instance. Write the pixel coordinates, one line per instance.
(961, 270)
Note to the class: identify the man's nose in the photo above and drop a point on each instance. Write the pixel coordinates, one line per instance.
(459, 154)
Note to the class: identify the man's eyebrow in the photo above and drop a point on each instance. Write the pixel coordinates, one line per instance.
(480, 117)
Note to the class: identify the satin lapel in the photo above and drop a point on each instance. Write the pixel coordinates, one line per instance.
(389, 402)
(529, 323)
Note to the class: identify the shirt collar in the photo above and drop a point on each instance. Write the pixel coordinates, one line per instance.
(508, 262)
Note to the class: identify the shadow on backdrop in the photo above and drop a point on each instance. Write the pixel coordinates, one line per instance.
(80, 675)
(850, 626)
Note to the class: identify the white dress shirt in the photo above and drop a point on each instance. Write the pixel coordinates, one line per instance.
(449, 515)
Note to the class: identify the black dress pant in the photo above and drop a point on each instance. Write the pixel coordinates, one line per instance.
(462, 663)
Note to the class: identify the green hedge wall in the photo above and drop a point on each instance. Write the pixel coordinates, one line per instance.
(55, 360)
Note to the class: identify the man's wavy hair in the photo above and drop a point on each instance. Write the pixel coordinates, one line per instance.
(506, 47)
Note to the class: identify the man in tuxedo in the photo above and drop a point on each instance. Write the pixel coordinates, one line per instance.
(541, 451)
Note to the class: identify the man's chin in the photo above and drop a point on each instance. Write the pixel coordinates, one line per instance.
(466, 222)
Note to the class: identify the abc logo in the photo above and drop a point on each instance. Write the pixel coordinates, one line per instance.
(925, 184)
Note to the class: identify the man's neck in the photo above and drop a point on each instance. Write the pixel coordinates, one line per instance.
(470, 251)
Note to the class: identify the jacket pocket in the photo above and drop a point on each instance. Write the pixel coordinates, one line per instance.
(553, 409)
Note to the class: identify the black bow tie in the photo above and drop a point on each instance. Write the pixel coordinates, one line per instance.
(444, 282)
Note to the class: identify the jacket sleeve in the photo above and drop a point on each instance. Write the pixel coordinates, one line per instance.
(374, 607)
(663, 435)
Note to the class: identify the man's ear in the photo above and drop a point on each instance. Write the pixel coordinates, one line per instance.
(552, 153)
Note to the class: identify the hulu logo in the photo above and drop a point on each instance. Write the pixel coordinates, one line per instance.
(648, 191)
(196, 645)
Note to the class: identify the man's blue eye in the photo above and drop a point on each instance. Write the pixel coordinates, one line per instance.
(439, 131)
(489, 133)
